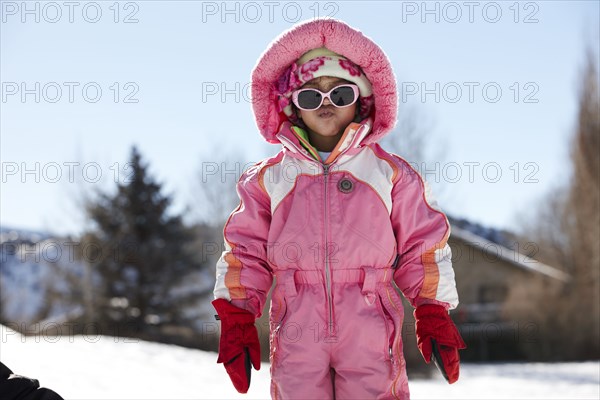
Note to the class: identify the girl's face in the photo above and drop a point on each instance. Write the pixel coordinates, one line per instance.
(328, 122)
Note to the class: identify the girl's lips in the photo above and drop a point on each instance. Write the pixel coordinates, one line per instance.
(326, 114)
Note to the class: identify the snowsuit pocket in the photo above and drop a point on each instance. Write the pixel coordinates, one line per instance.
(390, 327)
(278, 314)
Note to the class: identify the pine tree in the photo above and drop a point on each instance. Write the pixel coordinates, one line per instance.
(142, 256)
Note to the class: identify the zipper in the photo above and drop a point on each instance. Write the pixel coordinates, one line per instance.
(328, 278)
(327, 270)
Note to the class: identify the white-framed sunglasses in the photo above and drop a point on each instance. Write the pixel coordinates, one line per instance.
(311, 99)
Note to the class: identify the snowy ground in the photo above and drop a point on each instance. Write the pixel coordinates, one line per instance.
(79, 367)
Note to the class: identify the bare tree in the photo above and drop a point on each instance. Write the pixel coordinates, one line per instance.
(214, 188)
(567, 230)
(411, 133)
(411, 139)
(583, 215)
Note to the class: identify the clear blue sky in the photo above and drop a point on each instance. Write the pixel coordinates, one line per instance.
(178, 54)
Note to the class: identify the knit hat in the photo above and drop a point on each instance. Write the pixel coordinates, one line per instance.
(322, 62)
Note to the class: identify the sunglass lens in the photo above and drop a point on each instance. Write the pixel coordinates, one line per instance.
(342, 96)
(309, 99)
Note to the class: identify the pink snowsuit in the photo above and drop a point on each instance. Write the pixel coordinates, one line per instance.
(342, 238)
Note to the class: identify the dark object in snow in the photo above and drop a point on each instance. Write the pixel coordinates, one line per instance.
(437, 359)
(17, 387)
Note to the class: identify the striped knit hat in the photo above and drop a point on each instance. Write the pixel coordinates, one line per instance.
(322, 62)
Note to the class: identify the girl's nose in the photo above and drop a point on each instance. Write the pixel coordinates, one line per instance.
(326, 101)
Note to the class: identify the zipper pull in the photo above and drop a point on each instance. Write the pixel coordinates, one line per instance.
(395, 263)
(325, 169)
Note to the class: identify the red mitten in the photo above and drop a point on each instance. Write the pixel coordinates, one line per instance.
(436, 333)
(239, 345)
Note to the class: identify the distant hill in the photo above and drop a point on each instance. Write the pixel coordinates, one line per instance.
(27, 274)
(11, 234)
(39, 275)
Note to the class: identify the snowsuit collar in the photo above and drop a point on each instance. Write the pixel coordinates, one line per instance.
(295, 140)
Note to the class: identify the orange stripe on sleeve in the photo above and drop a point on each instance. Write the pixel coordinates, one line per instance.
(432, 274)
(233, 277)
(432, 270)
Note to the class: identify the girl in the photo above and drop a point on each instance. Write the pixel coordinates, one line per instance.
(342, 226)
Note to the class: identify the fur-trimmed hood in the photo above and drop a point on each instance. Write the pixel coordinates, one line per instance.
(340, 38)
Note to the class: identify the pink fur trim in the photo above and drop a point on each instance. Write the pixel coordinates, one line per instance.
(340, 38)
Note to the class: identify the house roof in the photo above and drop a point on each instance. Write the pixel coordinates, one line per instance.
(502, 252)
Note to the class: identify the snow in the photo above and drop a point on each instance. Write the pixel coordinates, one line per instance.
(105, 367)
